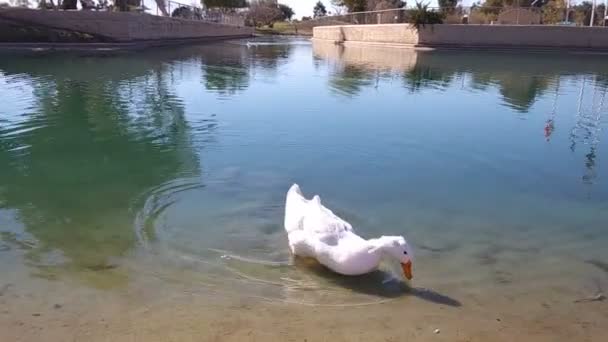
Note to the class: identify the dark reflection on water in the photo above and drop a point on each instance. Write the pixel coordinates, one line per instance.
(351, 80)
(379, 283)
(425, 76)
(520, 78)
(90, 143)
(226, 69)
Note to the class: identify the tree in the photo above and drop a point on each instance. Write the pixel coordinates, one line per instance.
(377, 5)
(351, 5)
(69, 4)
(554, 12)
(582, 13)
(447, 6)
(511, 3)
(225, 4)
(494, 7)
(319, 10)
(421, 15)
(367, 5)
(287, 11)
(264, 12)
(599, 14)
(187, 13)
(122, 5)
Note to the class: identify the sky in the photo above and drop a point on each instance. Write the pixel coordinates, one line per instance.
(304, 7)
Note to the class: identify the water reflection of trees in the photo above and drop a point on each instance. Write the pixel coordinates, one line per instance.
(227, 67)
(90, 145)
(269, 57)
(519, 91)
(423, 76)
(225, 70)
(350, 80)
(99, 133)
(520, 78)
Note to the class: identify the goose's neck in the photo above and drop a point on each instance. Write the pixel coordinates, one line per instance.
(375, 247)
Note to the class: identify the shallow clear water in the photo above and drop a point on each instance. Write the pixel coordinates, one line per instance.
(173, 164)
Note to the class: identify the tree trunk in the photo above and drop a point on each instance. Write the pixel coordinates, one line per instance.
(125, 5)
(69, 4)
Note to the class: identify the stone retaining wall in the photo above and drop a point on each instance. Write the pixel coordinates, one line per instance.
(479, 36)
(385, 33)
(123, 26)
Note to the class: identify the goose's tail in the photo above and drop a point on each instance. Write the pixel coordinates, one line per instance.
(295, 206)
(295, 189)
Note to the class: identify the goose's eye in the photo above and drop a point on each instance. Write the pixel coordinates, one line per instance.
(404, 252)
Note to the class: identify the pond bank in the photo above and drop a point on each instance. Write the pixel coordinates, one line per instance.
(119, 30)
(96, 48)
(490, 37)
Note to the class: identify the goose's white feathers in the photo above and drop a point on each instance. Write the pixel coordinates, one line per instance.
(315, 231)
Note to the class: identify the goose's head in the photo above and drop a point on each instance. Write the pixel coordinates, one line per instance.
(398, 248)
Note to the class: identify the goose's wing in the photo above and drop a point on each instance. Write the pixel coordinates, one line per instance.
(312, 217)
(324, 224)
(296, 207)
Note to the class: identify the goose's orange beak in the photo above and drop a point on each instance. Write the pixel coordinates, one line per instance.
(407, 270)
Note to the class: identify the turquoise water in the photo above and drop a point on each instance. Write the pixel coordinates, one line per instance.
(173, 164)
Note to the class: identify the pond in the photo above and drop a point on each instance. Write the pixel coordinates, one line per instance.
(142, 194)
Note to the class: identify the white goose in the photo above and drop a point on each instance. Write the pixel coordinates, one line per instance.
(315, 231)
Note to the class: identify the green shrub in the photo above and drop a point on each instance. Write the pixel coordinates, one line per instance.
(422, 16)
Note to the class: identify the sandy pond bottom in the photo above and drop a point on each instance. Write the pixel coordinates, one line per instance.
(154, 309)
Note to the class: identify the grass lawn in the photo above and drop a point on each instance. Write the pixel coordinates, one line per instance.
(284, 28)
